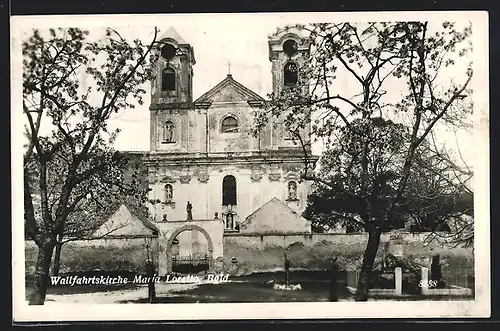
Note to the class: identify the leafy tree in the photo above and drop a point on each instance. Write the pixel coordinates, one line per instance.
(102, 199)
(335, 198)
(433, 199)
(434, 195)
(396, 74)
(443, 195)
(71, 87)
(92, 211)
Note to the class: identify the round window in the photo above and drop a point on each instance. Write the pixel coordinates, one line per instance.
(168, 52)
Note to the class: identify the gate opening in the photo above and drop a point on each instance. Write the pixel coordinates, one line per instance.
(190, 254)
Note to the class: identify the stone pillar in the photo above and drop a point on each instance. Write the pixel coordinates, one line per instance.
(211, 260)
(424, 281)
(163, 257)
(398, 279)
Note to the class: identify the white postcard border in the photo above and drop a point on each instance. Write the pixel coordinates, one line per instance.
(383, 309)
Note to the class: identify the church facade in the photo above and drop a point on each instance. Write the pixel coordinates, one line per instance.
(206, 170)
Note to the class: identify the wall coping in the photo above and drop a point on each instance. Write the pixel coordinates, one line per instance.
(262, 234)
(119, 236)
(189, 221)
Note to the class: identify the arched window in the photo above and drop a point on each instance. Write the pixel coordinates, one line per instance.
(229, 190)
(169, 193)
(168, 132)
(168, 80)
(229, 124)
(292, 191)
(290, 47)
(290, 74)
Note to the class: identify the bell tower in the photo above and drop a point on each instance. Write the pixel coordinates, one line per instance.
(171, 93)
(173, 83)
(288, 51)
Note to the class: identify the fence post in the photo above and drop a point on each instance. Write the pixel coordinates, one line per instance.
(424, 280)
(466, 278)
(398, 279)
(150, 272)
(332, 297)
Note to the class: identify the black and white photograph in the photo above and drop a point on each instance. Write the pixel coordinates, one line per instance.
(237, 166)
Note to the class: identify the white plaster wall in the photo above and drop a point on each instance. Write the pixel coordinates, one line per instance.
(206, 198)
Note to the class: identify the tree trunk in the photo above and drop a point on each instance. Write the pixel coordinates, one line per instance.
(368, 261)
(57, 260)
(42, 273)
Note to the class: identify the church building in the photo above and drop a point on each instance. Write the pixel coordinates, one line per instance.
(205, 168)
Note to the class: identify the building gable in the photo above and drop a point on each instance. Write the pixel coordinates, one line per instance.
(123, 223)
(229, 90)
(275, 217)
(171, 33)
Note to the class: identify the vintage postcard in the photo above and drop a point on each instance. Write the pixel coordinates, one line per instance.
(250, 166)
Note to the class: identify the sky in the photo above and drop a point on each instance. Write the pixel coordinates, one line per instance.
(222, 43)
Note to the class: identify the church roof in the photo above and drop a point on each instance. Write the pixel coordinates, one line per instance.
(173, 34)
(275, 217)
(125, 222)
(230, 90)
(289, 31)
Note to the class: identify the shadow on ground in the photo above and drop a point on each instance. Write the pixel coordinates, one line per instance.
(238, 292)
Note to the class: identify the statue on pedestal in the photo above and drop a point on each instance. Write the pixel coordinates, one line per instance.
(287, 270)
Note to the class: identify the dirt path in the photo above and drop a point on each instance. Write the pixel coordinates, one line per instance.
(118, 296)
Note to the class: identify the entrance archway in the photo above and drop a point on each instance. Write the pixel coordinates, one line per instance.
(190, 227)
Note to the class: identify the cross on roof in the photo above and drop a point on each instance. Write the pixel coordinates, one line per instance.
(229, 67)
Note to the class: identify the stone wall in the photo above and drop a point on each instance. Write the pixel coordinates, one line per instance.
(119, 254)
(255, 253)
(265, 253)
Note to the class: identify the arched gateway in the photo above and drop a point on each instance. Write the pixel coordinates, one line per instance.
(190, 227)
(212, 229)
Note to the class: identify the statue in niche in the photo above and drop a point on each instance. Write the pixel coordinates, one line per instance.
(292, 191)
(168, 193)
(230, 221)
(168, 132)
(189, 209)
